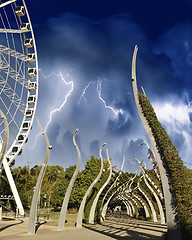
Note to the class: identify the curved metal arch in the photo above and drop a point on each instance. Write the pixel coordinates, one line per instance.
(34, 203)
(93, 207)
(143, 204)
(82, 206)
(154, 214)
(114, 181)
(63, 212)
(159, 204)
(174, 231)
(104, 210)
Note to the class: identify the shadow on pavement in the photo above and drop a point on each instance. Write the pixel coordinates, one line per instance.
(10, 225)
(39, 224)
(129, 229)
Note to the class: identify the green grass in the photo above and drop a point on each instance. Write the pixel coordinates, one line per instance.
(54, 218)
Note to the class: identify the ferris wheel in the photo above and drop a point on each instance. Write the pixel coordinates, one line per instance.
(18, 74)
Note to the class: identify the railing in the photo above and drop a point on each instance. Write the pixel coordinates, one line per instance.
(7, 213)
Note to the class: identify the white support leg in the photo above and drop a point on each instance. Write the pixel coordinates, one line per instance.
(13, 187)
(0, 213)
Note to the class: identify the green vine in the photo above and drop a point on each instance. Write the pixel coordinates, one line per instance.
(178, 174)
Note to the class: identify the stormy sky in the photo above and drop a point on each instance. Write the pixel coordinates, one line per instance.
(85, 51)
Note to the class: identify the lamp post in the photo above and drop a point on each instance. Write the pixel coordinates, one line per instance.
(48, 206)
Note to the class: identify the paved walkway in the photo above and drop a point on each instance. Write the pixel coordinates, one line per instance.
(113, 228)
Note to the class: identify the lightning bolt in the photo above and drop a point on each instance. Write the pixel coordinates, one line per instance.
(65, 100)
(116, 112)
(61, 106)
(83, 94)
(98, 89)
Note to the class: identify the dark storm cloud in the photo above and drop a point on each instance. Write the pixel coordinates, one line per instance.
(94, 148)
(120, 125)
(176, 44)
(132, 150)
(190, 116)
(103, 50)
(96, 47)
(67, 149)
(53, 131)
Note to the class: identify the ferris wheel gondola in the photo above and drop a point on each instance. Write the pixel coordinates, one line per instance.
(18, 74)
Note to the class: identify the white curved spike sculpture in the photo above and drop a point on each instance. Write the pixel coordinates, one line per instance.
(104, 210)
(154, 215)
(63, 212)
(155, 186)
(128, 204)
(161, 212)
(143, 204)
(135, 196)
(128, 207)
(135, 203)
(174, 231)
(34, 203)
(114, 181)
(82, 206)
(93, 207)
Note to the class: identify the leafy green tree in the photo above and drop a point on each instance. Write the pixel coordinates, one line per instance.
(60, 186)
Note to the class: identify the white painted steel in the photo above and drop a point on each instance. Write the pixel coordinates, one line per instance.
(94, 205)
(174, 231)
(14, 80)
(6, 3)
(82, 206)
(63, 212)
(103, 212)
(36, 195)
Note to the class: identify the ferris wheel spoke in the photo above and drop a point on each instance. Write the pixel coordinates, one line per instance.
(4, 64)
(12, 95)
(14, 74)
(18, 72)
(4, 30)
(6, 3)
(8, 113)
(13, 53)
(18, 79)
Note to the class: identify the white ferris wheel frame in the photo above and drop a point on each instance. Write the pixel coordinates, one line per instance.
(28, 82)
